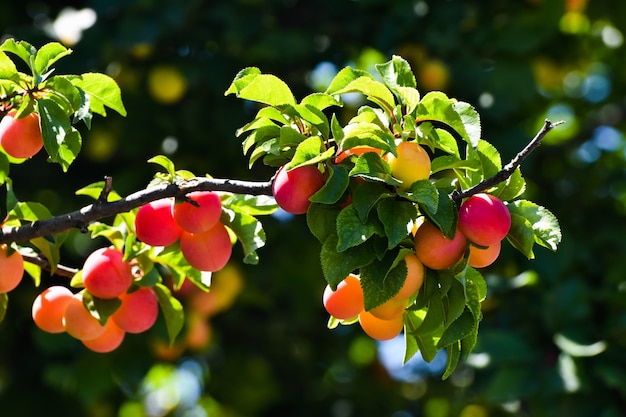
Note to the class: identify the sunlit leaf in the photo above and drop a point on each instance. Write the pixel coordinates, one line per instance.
(172, 311)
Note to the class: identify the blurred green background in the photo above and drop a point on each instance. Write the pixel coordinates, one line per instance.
(553, 339)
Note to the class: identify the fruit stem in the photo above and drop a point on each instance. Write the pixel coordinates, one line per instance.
(509, 168)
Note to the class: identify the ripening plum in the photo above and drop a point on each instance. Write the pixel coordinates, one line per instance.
(78, 321)
(292, 189)
(414, 278)
(105, 274)
(20, 138)
(435, 250)
(11, 269)
(411, 164)
(379, 329)
(49, 307)
(207, 251)
(155, 224)
(346, 301)
(110, 339)
(138, 312)
(390, 309)
(200, 218)
(484, 219)
(480, 257)
(356, 150)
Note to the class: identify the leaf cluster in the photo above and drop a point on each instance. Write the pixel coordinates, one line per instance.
(361, 218)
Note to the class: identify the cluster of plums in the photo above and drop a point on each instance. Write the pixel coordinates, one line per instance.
(106, 276)
(484, 221)
(194, 223)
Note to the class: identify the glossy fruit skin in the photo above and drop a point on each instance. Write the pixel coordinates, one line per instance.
(390, 309)
(78, 322)
(138, 312)
(435, 250)
(207, 251)
(381, 329)
(292, 189)
(105, 274)
(198, 219)
(11, 269)
(155, 224)
(484, 219)
(346, 301)
(20, 138)
(110, 339)
(412, 164)
(414, 278)
(48, 308)
(357, 150)
(483, 257)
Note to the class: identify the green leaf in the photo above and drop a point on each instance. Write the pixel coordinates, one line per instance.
(25, 51)
(351, 231)
(172, 311)
(61, 140)
(427, 346)
(335, 187)
(446, 162)
(320, 101)
(263, 88)
(254, 205)
(544, 224)
(365, 196)
(309, 152)
(464, 326)
(436, 108)
(452, 359)
(367, 134)
(397, 72)
(94, 191)
(397, 75)
(291, 137)
(164, 162)
(102, 90)
(471, 121)
(100, 308)
(395, 217)
(4, 305)
(344, 77)
(383, 279)
(322, 220)
(8, 70)
(423, 192)
(435, 316)
(521, 235)
(475, 291)
(249, 232)
(446, 215)
(50, 250)
(337, 265)
(29, 211)
(48, 55)
(242, 78)
(371, 166)
(34, 271)
(513, 187)
(374, 91)
(4, 168)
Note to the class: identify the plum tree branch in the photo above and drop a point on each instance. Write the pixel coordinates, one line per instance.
(509, 168)
(102, 208)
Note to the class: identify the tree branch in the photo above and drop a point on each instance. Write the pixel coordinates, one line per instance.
(509, 168)
(102, 209)
(61, 270)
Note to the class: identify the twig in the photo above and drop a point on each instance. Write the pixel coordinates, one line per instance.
(61, 270)
(509, 168)
(99, 210)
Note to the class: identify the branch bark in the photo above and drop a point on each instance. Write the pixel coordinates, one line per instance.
(102, 209)
(509, 168)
